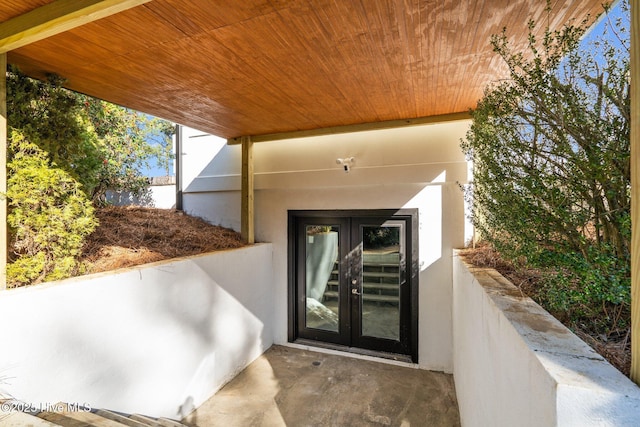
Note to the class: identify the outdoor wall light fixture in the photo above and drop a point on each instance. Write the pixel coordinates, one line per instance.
(346, 163)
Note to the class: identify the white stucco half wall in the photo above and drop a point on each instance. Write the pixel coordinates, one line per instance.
(412, 167)
(159, 339)
(516, 365)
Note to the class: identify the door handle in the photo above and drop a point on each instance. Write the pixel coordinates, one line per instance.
(354, 291)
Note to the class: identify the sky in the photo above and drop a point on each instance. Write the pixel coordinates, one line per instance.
(605, 21)
(154, 170)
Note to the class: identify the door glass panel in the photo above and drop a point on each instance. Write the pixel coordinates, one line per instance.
(322, 277)
(381, 263)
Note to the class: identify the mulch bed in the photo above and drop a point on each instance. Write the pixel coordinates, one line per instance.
(129, 236)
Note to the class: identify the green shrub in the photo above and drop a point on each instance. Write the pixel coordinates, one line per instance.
(53, 117)
(551, 180)
(65, 151)
(49, 216)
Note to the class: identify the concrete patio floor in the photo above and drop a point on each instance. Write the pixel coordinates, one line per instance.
(291, 387)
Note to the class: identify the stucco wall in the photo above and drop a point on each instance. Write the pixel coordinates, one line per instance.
(413, 167)
(516, 365)
(158, 339)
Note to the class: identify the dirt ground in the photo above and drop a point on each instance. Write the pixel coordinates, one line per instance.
(129, 236)
(616, 347)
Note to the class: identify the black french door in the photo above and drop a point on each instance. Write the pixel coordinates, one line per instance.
(353, 279)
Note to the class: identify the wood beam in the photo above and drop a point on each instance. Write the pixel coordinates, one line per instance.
(57, 17)
(360, 127)
(247, 219)
(4, 244)
(635, 191)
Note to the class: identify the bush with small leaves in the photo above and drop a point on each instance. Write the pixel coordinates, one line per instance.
(551, 178)
(65, 151)
(49, 216)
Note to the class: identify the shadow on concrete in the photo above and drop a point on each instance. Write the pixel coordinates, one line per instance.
(292, 387)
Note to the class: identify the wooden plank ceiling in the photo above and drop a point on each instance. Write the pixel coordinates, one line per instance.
(255, 67)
